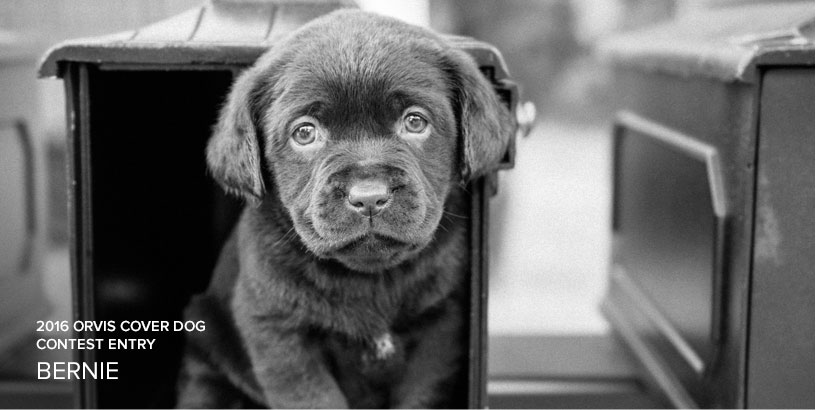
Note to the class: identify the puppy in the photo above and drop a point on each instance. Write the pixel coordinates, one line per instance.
(343, 283)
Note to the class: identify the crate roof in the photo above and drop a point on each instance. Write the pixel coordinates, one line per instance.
(220, 32)
(723, 43)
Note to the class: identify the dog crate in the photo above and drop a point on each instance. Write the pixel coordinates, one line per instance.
(711, 284)
(146, 221)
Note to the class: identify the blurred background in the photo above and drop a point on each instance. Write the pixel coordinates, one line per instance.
(549, 231)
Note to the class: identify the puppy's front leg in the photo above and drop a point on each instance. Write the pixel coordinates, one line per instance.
(292, 373)
(288, 366)
(436, 359)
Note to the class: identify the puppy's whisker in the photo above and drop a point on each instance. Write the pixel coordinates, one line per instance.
(292, 236)
(285, 238)
(454, 215)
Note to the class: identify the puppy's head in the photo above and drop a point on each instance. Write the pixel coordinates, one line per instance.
(361, 125)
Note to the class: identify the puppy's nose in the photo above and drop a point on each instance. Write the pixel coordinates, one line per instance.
(368, 197)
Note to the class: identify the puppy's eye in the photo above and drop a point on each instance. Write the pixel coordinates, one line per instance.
(304, 134)
(414, 127)
(415, 123)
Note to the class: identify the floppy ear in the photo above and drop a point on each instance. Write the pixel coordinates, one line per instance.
(485, 124)
(233, 151)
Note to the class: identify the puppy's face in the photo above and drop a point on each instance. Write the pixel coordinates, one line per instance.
(363, 147)
(362, 124)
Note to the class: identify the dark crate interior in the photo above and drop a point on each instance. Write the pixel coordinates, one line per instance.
(158, 218)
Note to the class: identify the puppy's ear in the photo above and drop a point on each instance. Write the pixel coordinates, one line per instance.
(234, 155)
(485, 124)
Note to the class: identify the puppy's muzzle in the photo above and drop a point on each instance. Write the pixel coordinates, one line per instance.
(368, 197)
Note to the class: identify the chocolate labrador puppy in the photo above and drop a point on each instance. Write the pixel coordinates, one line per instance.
(342, 284)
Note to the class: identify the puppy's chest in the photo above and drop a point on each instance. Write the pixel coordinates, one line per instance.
(372, 309)
(395, 324)
(367, 372)
(380, 359)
